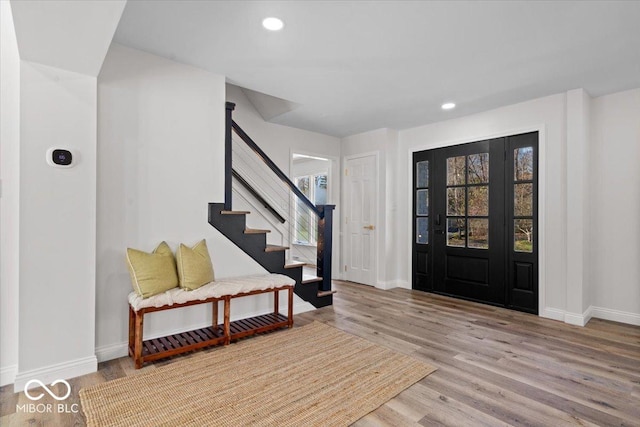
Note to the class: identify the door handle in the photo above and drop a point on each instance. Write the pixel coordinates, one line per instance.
(369, 227)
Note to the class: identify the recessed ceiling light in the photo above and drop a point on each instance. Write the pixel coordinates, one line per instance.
(273, 24)
(448, 106)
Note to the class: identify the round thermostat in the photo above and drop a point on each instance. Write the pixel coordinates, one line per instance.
(59, 157)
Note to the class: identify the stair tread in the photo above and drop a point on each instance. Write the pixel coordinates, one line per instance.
(234, 212)
(275, 248)
(308, 278)
(294, 264)
(255, 231)
(325, 293)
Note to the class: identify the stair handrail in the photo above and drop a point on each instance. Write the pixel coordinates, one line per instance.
(274, 168)
(257, 195)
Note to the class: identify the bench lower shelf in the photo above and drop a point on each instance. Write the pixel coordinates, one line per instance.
(178, 343)
(255, 325)
(159, 348)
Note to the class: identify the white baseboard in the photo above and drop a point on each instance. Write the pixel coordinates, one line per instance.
(589, 313)
(576, 319)
(48, 374)
(112, 351)
(8, 374)
(392, 284)
(615, 315)
(553, 314)
(115, 351)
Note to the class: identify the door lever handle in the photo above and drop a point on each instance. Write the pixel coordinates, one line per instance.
(369, 227)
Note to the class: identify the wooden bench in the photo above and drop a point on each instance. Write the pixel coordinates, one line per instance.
(217, 334)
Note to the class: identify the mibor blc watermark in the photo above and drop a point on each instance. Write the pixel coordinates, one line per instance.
(41, 408)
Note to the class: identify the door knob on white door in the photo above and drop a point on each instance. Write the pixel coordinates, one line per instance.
(369, 227)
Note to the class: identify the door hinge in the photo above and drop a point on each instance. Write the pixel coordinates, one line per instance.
(346, 172)
(345, 268)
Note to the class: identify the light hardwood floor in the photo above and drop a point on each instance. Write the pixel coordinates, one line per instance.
(495, 366)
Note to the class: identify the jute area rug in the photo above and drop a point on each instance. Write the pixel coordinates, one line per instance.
(315, 375)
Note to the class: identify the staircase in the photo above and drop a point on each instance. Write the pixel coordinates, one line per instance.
(232, 224)
(315, 289)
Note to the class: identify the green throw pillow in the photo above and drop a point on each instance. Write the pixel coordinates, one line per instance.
(152, 273)
(194, 266)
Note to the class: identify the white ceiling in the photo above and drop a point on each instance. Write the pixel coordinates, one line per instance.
(71, 35)
(354, 66)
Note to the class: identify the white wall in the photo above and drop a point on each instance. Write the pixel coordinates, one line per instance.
(160, 162)
(57, 224)
(614, 203)
(546, 115)
(384, 142)
(302, 167)
(578, 146)
(9, 194)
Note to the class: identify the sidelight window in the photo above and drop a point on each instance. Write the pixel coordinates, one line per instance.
(523, 199)
(422, 202)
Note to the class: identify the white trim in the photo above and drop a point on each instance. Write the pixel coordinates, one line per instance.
(333, 198)
(345, 160)
(615, 315)
(65, 370)
(542, 143)
(552, 313)
(390, 284)
(577, 319)
(112, 351)
(592, 313)
(8, 374)
(381, 284)
(587, 315)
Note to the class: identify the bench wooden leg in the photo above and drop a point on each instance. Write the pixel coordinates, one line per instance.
(276, 303)
(290, 311)
(137, 351)
(214, 316)
(131, 331)
(227, 322)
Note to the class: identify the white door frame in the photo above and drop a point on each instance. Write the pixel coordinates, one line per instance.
(345, 226)
(333, 197)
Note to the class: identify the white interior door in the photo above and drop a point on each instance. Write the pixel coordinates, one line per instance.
(360, 219)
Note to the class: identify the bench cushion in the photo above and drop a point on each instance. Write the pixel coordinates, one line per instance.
(217, 289)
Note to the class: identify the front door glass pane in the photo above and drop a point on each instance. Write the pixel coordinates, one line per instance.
(422, 230)
(523, 235)
(478, 168)
(455, 171)
(422, 202)
(479, 200)
(455, 201)
(456, 232)
(422, 174)
(523, 200)
(523, 164)
(478, 233)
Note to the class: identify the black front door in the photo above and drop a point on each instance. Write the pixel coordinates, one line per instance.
(475, 221)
